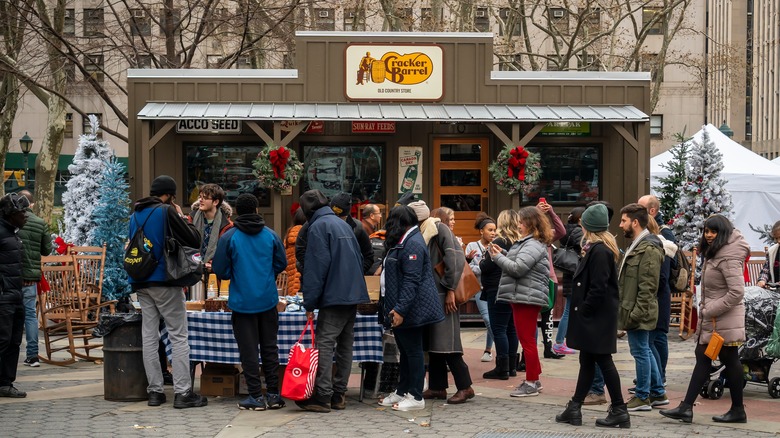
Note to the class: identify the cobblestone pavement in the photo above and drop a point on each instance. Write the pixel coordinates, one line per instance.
(68, 401)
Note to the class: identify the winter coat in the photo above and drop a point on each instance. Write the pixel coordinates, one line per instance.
(10, 264)
(300, 248)
(378, 246)
(474, 263)
(594, 303)
(491, 272)
(639, 285)
(570, 240)
(409, 286)
(36, 242)
(525, 273)
(768, 271)
(333, 268)
(293, 276)
(366, 250)
(559, 230)
(723, 290)
(155, 230)
(250, 256)
(664, 293)
(444, 247)
(198, 218)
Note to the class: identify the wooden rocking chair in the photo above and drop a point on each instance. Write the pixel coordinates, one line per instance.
(66, 320)
(90, 265)
(682, 302)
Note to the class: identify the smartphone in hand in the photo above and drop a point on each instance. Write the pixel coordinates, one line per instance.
(542, 200)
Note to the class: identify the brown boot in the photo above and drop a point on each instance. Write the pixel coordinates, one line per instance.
(461, 396)
(440, 394)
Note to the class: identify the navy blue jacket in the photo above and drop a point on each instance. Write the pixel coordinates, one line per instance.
(250, 256)
(410, 288)
(333, 265)
(155, 231)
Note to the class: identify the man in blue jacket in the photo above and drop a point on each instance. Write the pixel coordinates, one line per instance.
(251, 256)
(332, 282)
(160, 297)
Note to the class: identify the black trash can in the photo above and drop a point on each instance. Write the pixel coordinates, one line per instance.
(124, 377)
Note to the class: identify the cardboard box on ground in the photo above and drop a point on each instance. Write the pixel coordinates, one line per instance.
(225, 380)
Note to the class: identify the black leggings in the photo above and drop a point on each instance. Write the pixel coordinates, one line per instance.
(588, 363)
(729, 356)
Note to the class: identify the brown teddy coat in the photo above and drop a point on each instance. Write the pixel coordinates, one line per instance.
(293, 276)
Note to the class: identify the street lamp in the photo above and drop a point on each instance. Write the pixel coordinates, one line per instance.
(724, 128)
(26, 144)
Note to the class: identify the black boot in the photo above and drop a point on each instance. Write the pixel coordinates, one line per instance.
(734, 415)
(514, 362)
(572, 414)
(501, 371)
(521, 363)
(617, 416)
(548, 352)
(683, 412)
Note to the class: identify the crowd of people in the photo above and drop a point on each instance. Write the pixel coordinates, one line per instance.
(326, 253)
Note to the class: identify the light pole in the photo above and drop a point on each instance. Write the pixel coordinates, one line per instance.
(724, 128)
(26, 144)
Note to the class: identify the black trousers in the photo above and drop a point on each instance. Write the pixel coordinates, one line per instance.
(588, 363)
(412, 369)
(729, 356)
(11, 329)
(251, 329)
(437, 371)
(502, 324)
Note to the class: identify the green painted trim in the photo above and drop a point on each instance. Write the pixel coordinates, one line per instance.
(15, 160)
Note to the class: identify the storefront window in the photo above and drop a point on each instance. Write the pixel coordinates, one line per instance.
(569, 174)
(355, 169)
(228, 166)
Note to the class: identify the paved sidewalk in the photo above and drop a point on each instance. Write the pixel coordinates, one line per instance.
(68, 401)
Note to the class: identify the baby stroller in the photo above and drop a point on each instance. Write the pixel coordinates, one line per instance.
(760, 310)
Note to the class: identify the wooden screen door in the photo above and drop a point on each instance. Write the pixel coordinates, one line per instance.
(460, 181)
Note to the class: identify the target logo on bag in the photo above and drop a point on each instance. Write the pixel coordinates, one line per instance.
(301, 369)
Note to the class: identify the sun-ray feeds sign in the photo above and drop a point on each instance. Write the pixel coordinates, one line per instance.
(397, 72)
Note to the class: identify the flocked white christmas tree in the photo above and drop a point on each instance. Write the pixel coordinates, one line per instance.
(703, 192)
(81, 195)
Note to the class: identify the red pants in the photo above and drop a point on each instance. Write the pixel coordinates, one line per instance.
(525, 323)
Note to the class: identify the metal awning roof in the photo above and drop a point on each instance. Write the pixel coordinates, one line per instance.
(392, 112)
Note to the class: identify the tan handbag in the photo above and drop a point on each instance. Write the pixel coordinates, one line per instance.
(467, 286)
(716, 343)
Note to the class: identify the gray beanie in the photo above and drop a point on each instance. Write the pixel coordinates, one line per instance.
(595, 218)
(420, 209)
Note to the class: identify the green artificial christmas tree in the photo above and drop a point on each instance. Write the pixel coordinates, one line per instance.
(669, 188)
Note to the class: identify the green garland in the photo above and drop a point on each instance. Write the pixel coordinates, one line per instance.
(499, 170)
(264, 169)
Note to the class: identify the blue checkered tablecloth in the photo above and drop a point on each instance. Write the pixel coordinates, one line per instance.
(211, 337)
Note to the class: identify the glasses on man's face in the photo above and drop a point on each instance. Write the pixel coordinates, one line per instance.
(205, 198)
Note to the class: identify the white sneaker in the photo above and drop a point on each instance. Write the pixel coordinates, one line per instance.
(409, 404)
(391, 399)
(487, 357)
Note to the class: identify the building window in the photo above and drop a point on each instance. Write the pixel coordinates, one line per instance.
(354, 19)
(68, 125)
(570, 174)
(229, 166)
(652, 19)
(69, 28)
(481, 20)
(554, 63)
(170, 19)
(510, 62)
(559, 19)
(650, 64)
(586, 62)
(355, 169)
(140, 22)
(594, 20)
(93, 22)
(93, 64)
(70, 71)
(324, 19)
(213, 61)
(85, 126)
(144, 61)
(657, 125)
(406, 19)
(509, 20)
(244, 62)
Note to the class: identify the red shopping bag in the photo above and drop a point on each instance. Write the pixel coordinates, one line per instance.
(301, 369)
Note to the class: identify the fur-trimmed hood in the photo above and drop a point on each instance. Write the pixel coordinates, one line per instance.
(227, 210)
(670, 248)
(428, 228)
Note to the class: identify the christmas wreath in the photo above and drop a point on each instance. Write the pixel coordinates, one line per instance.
(516, 169)
(277, 167)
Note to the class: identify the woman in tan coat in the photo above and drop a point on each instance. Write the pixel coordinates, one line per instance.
(721, 310)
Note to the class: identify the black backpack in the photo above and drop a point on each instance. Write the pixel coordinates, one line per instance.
(139, 261)
(680, 274)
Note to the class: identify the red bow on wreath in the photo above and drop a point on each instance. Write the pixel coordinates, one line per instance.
(278, 158)
(516, 167)
(62, 245)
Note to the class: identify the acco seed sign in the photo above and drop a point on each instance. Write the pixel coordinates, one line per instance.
(398, 72)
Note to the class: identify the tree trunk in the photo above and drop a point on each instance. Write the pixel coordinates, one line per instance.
(9, 93)
(46, 164)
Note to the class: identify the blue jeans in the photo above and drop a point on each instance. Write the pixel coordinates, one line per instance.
(30, 320)
(483, 310)
(503, 328)
(563, 324)
(598, 382)
(659, 346)
(648, 377)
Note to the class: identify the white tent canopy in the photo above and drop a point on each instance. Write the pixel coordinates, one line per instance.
(752, 180)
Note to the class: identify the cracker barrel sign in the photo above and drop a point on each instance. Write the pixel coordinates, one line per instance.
(398, 72)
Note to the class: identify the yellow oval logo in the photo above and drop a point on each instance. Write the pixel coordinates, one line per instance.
(408, 69)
